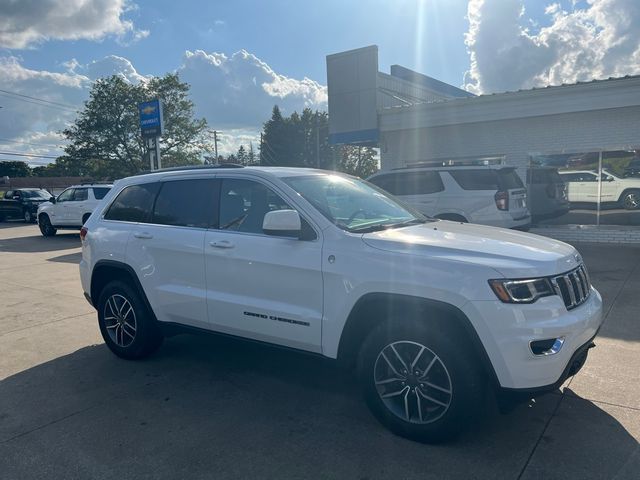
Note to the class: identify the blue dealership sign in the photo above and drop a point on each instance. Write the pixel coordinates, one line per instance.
(151, 122)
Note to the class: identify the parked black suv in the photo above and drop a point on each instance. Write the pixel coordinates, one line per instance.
(22, 203)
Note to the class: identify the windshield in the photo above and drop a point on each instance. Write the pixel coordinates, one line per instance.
(353, 204)
(36, 194)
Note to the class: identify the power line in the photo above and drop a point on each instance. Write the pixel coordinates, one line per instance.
(31, 144)
(63, 105)
(64, 109)
(28, 155)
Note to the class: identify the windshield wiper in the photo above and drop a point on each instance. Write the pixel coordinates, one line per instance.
(386, 226)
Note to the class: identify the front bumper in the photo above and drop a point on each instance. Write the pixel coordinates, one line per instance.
(506, 331)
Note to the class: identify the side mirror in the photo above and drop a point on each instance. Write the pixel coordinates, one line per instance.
(283, 223)
(52, 199)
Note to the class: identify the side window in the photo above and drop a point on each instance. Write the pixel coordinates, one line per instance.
(133, 204)
(8, 194)
(80, 195)
(100, 192)
(185, 203)
(410, 183)
(476, 179)
(244, 203)
(17, 193)
(65, 196)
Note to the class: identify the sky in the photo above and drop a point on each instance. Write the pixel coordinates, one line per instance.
(241, 57)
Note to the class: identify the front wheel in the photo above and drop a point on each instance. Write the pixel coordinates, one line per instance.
(418, 382)
(45, 226)
(127, 326)
(28, 217)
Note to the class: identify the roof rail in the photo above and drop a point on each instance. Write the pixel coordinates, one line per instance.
(96, 183)
(460, 162)
(191, 167)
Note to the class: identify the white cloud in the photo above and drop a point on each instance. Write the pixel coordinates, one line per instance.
(239, 91)
(27, 22)
(599, 40)
(235, 94)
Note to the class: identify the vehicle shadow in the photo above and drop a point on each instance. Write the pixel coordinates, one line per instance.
(69, 258)
(39, 244)
(208, 407)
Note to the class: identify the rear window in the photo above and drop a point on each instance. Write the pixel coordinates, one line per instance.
(409, 183)
(100, 192)
(487, 179)
(133, 204)
(543, 176)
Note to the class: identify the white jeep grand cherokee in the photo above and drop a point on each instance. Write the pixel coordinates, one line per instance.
(429, 312)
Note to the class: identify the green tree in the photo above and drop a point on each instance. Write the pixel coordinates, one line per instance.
(302, 140)
(242, 155)
(251, 155)
(105, 140)
(14, 169)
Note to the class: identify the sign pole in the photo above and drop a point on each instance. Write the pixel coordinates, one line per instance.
(157, 148)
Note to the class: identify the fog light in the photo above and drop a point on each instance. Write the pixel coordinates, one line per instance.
(550, 346)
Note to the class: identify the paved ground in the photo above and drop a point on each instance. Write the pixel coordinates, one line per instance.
(212, 408)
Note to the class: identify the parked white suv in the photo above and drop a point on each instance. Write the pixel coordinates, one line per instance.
(429, 312)
(582, 186)
(489, 195)
(71, 208)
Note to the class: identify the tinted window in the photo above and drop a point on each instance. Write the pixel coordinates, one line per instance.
(543, 176)
(80, 194)
(410, 183)
(186, 203)
(37, 194)
(133, 204)
(244, 203)
(100, 192)
(487, 179)
(65, 196)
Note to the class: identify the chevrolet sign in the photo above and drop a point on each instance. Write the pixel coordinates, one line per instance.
(151, 123)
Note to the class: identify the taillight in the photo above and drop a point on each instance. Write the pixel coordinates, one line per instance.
(502, 200)
(83, 233)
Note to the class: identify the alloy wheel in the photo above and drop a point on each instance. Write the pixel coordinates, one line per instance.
(631, 201)
(27, 216)
(120, 320)
(413, 382)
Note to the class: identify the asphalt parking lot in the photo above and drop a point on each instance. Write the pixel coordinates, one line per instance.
(206, 407)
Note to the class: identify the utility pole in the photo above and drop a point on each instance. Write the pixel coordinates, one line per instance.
(261, 148)
(215, 143)
(317, 142)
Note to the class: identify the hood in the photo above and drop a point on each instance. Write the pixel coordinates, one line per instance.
(511, 253)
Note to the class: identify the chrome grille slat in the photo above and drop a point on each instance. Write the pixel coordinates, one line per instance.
(573, 287)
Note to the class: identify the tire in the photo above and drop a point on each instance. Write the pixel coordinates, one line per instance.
(128, 327)
(28, 217)
(46, 228)
(630, 200)
(445, 377)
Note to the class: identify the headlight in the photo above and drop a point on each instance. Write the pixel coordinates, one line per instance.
(522, 291)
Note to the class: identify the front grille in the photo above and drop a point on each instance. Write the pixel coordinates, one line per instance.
(573, 287)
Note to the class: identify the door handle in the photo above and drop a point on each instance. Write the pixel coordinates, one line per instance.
(143, 235)
(221, 244)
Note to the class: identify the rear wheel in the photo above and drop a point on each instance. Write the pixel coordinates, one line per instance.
(127, 326)
(46, 228)
(419, 383)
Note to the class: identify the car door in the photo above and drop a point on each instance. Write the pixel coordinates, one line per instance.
(166, 250)
(610, 190)
(420, 189)
(75, 208)
(264, 287)
(59, 212)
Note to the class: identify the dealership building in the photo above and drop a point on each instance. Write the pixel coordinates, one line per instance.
(589, 132)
